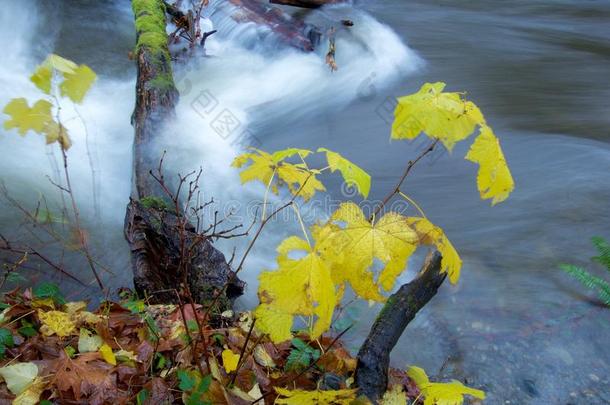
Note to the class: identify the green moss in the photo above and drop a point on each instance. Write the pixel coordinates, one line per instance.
(154, 202)
(151, 36)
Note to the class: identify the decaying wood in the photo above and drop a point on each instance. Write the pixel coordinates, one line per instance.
(305, 3)
(399, 310)
(151, 231)
(290, 30)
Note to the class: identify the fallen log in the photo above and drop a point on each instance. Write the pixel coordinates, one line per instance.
(156, 232)
(305, 3)
(290, 30)
(399, 310)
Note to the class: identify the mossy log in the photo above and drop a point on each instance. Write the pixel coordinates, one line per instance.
(152, 230)
(399, 310)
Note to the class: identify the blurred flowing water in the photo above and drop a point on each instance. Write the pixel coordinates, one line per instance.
(515, 325)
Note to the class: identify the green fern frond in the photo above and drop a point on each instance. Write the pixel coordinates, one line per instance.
(604, 251)
(590, 281)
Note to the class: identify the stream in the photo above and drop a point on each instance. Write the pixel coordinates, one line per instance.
(515, 325)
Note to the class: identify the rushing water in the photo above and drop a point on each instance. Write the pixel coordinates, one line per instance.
(514, 325)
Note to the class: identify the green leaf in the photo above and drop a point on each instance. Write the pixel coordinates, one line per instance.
(204, 384)
(49, 290)
(4, 305)
(45, 402)
(70, 351)
(27, 329)
(142, 396)
(604, 251)
(192, 325)
(352, 174)
(161, 361)
(15, 277)
(299, 344)
(187, 380)
(6, 337)
(77, 84)
(25, 118)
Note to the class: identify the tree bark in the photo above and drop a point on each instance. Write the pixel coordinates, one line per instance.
(400, 309)
(152, 231)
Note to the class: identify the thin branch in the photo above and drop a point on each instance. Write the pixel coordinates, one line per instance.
(396, 188)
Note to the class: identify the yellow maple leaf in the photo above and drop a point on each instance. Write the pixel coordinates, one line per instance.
(430, 234)
(446, 116)
(494, 179)
(451, 393)
(266, 167)
(107, 354)
(56, 323)
(298, 287)
(352, 174)
(25, 118)
(77, 83)
(318, 397)
(230, 360)
(389, 240)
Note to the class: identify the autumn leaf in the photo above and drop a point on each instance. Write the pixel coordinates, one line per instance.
(352, 174)
(446, 116)
(494, 179)
(43, 75)
(107, 354)
(394, 396)
(430, 234)
(31, 395)
(266, 167)
(229, 360)
(298, 287)
(390, 240)
(19, 376)
(77, 84)
(300, 397)
(25, 118)
(56, 323)
(451, 393)
(88, 341)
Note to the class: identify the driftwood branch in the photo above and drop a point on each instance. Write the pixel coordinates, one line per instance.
(399, 310)
(304, 3)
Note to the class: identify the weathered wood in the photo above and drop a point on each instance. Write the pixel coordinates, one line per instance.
(290, 30)
(305, 3)
(153, 233)
(400, 309)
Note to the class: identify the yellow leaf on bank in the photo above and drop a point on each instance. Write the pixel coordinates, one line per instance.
(298, 287)
(266, 167)
(19, 376)
(107, 354)
(352, 174)
(430, 234)
(494, 179)
(451, 393)
(390, 240)
(88, 341)
(31, 395)
(395, 396)
(300, 397)
(56, 323)
(230, 360)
